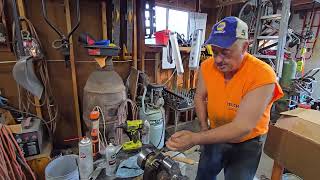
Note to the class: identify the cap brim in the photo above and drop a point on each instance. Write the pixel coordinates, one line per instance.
(221, 41)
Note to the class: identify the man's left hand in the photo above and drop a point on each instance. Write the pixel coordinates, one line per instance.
(181, 140)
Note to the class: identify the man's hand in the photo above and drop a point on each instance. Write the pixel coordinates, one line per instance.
(181, 140)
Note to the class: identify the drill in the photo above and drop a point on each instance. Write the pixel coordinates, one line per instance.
(133, 129)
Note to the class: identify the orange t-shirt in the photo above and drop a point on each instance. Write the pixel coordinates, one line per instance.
(224, 98)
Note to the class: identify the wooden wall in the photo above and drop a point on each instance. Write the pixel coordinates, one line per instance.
(61, 76)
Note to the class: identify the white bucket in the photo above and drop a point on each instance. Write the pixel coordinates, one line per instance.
(63, 168)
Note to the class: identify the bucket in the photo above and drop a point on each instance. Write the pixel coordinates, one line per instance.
(63, 168)
(162, 37)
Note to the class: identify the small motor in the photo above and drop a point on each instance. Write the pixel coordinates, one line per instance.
(157, 166)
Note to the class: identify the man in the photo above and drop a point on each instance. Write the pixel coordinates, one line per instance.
(235, 91)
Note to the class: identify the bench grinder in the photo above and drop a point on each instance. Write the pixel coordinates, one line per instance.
(157, 166)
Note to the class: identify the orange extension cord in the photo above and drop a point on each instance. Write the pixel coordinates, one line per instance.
(12, 163)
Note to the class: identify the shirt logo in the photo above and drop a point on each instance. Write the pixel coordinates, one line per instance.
(232, 106)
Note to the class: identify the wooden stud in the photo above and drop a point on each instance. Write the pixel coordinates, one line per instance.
(198, 6)
(157, 71)
(22, 13)
(186, 75)
(24, 26)
(104, 20)
(134, 43)
(141, 30)
(175, 81)
(277, 171)
(73, 71)
(229, 10)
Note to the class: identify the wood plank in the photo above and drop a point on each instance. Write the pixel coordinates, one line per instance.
(22, 13)
(228, 10)
(135, 49)
(141, 30)
(104, 20)
(24, 26)
(198, 5)
(73, 71)
(157, 70)
(186, 75)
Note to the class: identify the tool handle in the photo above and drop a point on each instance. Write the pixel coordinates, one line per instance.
(184, 160)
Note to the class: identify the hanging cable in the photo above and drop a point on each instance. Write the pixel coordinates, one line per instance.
(13, 165)
(26, 98)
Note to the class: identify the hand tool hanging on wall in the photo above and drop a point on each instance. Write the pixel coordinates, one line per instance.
(23, 71)
(63, 43)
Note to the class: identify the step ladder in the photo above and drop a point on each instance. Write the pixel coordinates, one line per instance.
(276, 35)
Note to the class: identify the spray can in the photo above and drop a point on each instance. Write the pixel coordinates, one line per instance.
(146, 132)
(85, 158)
(111, 160)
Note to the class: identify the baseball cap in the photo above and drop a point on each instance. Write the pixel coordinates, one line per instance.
(227, 31)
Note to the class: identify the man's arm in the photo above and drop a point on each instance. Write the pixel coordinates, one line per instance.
(200, 99)
(250, 111)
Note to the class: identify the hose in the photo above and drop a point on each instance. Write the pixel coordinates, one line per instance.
(11, 157)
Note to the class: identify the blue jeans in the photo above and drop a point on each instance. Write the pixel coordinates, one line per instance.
(239, 161)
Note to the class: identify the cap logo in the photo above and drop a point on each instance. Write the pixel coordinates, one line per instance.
(221, 26)
(243, 33)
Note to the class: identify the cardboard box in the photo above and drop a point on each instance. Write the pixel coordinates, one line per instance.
(294, 142)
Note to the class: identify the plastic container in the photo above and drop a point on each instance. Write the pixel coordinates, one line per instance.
(162, 37)
(63, 168)
(146, 132)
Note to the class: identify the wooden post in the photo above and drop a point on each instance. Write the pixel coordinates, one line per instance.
(186, 75)
(134, 43)
(141, 30)
(277, 171)
(157, 72)
(22, 13)
(104, 20)
(24, 26)
(73, 71)
(198, 6)
(229, 10)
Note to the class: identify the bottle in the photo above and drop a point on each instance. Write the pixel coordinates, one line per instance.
(146, 132)
(85, 158)
(111, 160)
(94, 117)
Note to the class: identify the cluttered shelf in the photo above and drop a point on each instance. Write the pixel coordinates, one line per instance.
(158, 48)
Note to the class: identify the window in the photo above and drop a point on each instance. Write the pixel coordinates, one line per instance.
(161, 18)
(165, 18)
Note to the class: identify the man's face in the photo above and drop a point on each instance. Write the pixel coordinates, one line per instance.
(230, 59)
